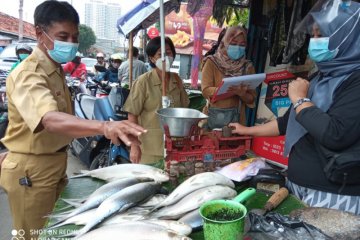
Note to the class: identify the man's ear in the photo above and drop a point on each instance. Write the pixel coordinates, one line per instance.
(39, 33)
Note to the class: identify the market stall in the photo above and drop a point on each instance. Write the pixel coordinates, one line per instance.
(191, 152)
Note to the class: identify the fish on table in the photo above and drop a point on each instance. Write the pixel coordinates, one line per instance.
(193, 201)
(100, 195)
(194, 183)
(134, 231)
(127, 170)
(120, 202)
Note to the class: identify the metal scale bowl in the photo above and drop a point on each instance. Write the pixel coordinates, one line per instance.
(185, 142)
(179, 122)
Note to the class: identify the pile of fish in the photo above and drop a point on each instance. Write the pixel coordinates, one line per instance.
(130, 206)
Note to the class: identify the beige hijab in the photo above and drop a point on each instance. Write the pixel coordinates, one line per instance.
(221, 59)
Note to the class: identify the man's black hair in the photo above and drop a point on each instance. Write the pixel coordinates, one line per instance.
(153, 46)
(135, 52)
(53, 11)
(141, 57)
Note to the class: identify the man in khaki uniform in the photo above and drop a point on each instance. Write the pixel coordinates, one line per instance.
(40, 122)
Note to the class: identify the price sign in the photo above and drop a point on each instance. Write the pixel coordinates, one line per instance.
(277, 91)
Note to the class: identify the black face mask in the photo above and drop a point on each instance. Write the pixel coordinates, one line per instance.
(76, 60)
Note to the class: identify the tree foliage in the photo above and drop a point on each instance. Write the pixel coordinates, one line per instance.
(86, 38)
(225, 10)
(240, 17)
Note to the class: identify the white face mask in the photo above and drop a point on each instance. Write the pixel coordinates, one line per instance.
(168, 62)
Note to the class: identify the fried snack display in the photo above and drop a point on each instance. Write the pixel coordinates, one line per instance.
(181, 39)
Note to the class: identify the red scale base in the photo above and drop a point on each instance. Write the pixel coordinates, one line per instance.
(198, 147)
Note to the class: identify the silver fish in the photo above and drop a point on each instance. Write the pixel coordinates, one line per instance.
(132, 214)
(196, 182)
(194, 200)
(137, 230)
(102, 193)
(154, 201)
(176, 226)
(193, 219)
(124, 171)
(120, 202)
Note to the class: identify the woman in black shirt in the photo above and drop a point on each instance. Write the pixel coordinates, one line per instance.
(325, 111)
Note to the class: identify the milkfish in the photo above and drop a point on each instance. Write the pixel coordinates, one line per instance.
(194, 200)
(84, 217)
(120, 202)
(193, 183)
(101, 194)
(154, 201)
(137, 230)
(193, 219)
(178, 227)
(125, 171)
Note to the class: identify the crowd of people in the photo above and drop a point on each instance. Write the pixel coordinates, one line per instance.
(324, 112)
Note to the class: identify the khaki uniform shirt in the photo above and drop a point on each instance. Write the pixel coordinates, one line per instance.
(35, 87)
(144, 100)
(211, 80)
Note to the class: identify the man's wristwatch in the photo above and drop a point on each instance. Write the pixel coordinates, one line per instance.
(301, 101)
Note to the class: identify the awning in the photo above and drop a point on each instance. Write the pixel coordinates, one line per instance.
(143, 14)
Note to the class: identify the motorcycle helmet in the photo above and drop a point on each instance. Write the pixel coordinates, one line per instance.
(22, 48)
(115, 60)
(100, 55)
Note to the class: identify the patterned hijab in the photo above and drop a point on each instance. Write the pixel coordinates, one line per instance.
(221, 59)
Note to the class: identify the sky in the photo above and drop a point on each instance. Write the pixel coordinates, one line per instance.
(12, 7)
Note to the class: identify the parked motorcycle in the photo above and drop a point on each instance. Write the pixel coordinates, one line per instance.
(98, 151)
(3, 110)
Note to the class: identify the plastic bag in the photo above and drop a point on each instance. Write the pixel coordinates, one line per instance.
(276, 226)
(243, 170)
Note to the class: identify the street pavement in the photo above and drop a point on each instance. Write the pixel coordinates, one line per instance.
(74, 165)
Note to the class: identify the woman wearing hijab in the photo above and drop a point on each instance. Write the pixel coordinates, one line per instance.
(145, 99)
(323, 124)
(228, 61)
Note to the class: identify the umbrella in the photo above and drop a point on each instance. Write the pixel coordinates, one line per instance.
(142, 14)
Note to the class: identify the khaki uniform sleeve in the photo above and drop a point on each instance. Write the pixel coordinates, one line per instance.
(208, 81)
(32, 98)
(135, 102)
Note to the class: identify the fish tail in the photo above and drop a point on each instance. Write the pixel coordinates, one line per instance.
(83, 173)
(60, 214)
(60, 210)
(75, 202)
(56, 225)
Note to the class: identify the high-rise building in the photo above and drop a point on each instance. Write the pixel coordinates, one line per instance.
(102, 16)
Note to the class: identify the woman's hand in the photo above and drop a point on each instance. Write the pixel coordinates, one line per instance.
(135, 154)
(125, 131)
(298, 89)
(237, 128)
(239, 90)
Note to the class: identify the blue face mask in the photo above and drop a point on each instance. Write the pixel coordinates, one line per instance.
(319, 47)
(22, 56)
(63, 51)
(235, 52)
(319, 50)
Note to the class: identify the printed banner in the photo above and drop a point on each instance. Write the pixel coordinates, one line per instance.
(179, 27)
